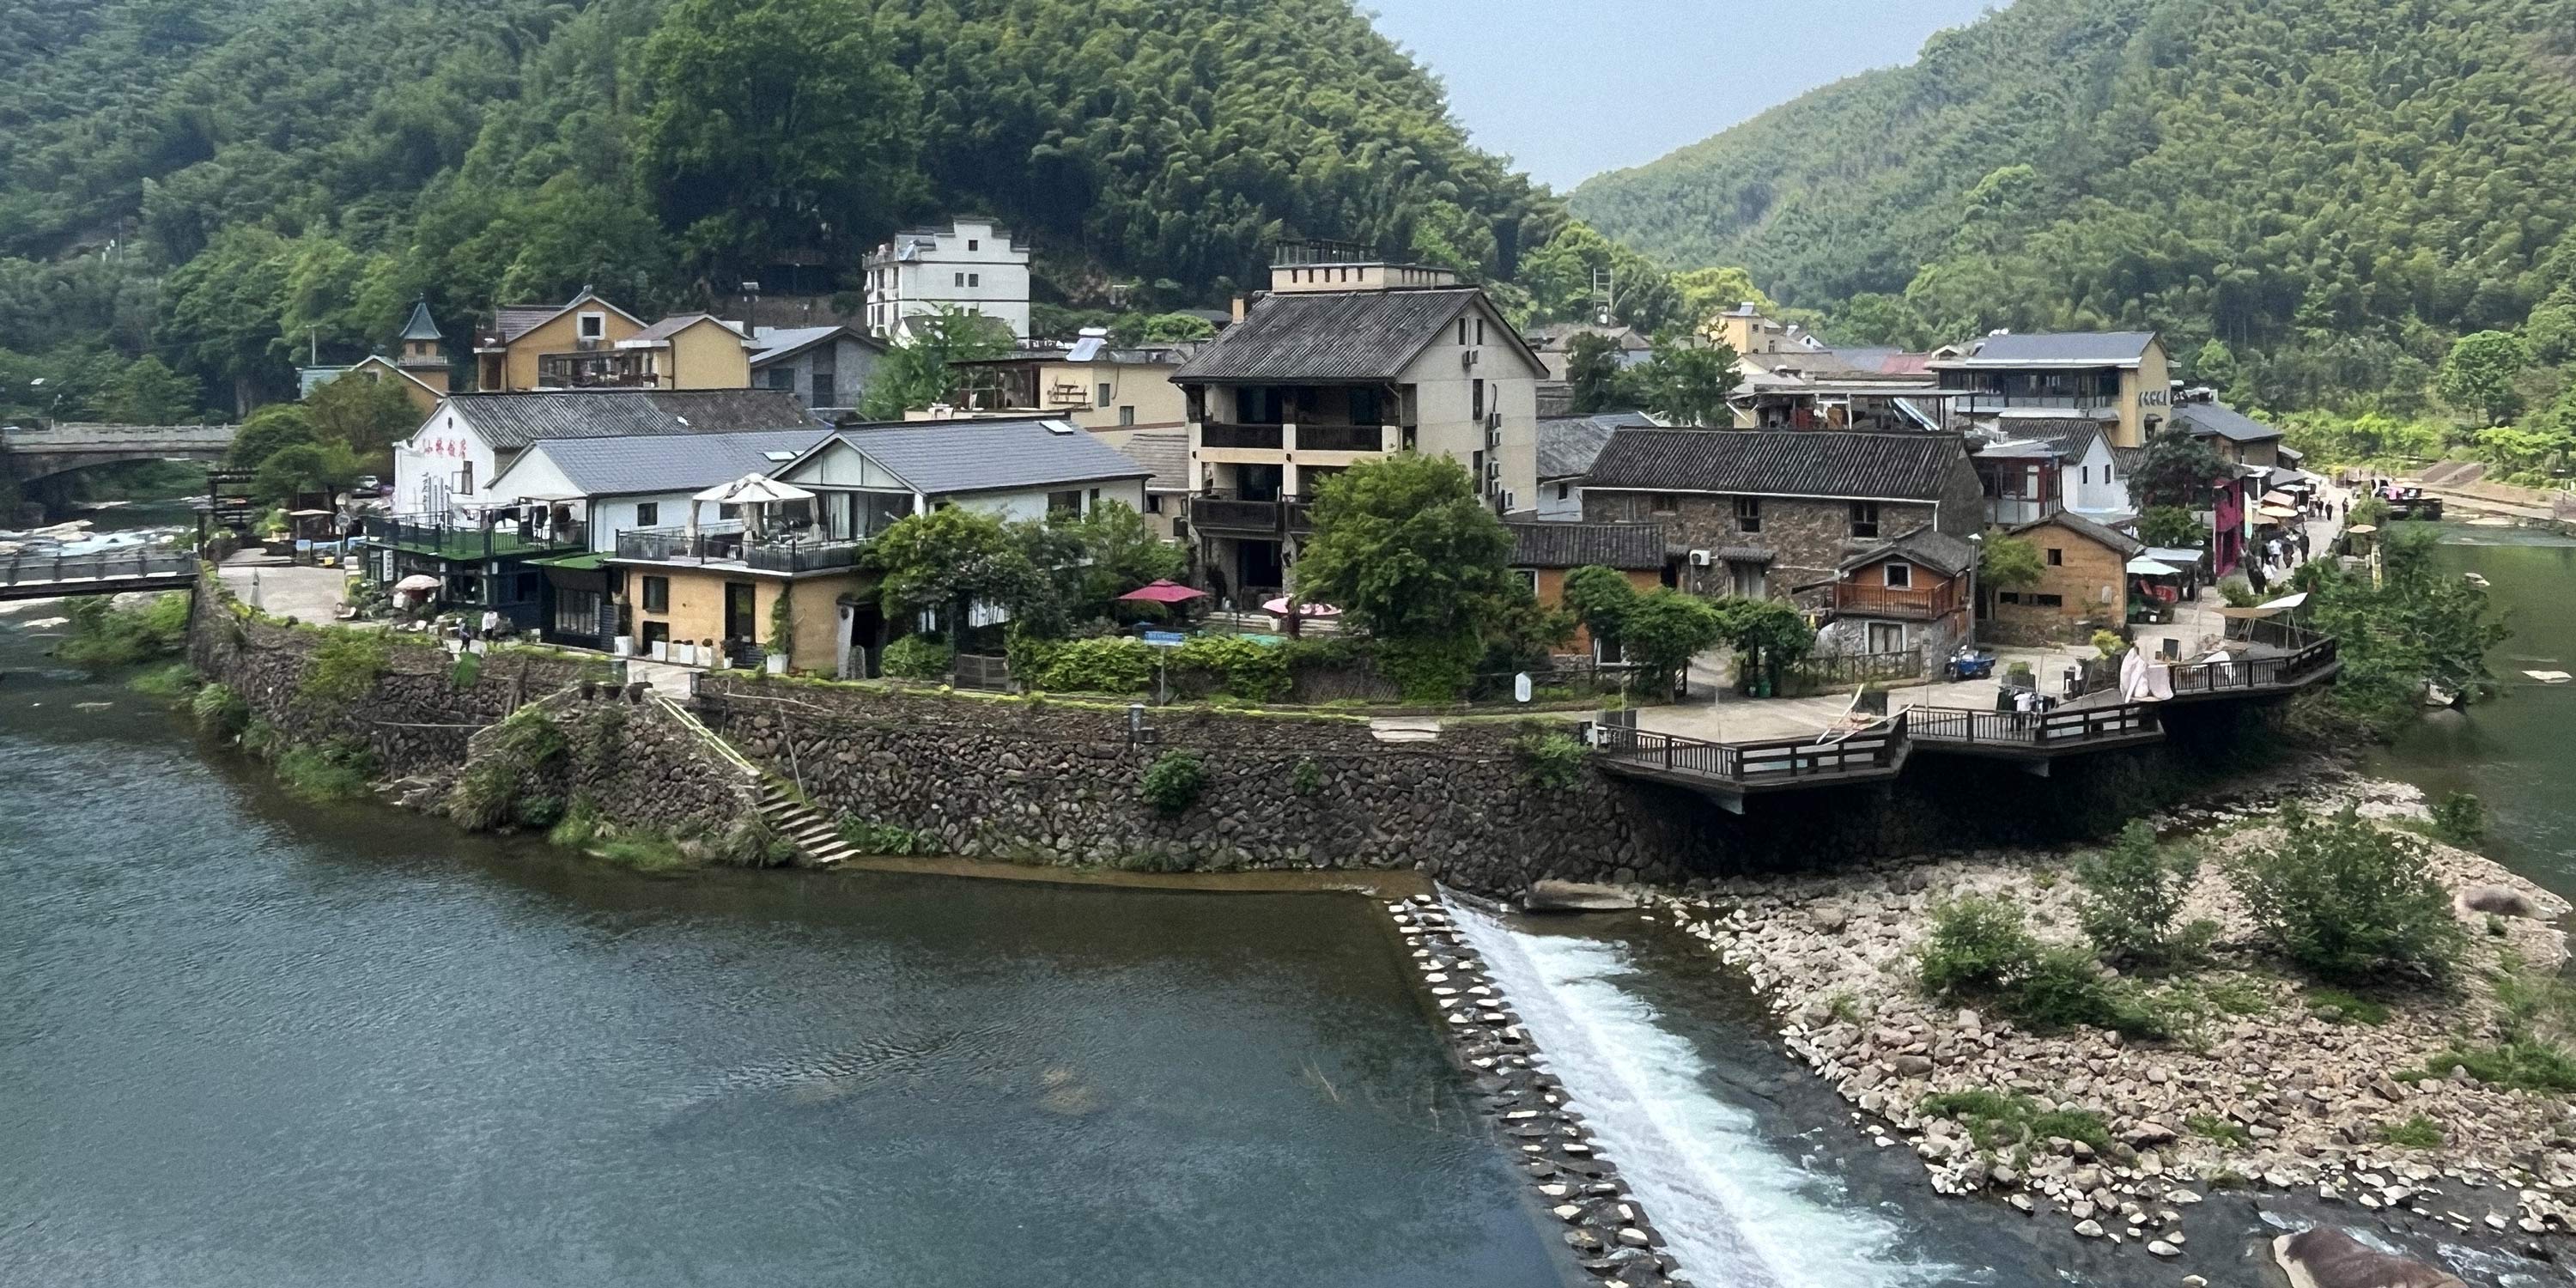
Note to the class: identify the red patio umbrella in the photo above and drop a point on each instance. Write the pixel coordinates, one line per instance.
(1163, 592)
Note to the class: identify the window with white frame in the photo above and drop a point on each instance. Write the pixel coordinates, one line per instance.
(1900, 575)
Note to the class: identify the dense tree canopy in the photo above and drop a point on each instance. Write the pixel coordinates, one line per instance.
(2334, 189)
(229, 185)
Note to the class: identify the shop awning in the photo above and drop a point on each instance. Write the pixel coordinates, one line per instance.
(580, 561)
(2152, 568)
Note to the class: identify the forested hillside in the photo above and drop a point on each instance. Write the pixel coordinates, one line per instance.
(214, 186)
(2332, 189)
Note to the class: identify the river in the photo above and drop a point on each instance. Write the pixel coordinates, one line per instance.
(2516, 754)
(250, 1041)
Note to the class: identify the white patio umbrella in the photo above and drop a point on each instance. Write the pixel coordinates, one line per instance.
(751, 489)
(2143, 567)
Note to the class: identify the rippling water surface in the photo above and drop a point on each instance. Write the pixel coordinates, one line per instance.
(245, 1041)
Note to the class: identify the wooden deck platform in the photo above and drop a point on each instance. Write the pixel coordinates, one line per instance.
(1731, 772)
(1727, 772)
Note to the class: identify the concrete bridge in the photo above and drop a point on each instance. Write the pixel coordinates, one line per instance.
(34, 454)
(101, 572)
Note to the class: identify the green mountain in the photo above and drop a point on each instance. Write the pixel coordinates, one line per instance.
(2332, 188)
(224, 185)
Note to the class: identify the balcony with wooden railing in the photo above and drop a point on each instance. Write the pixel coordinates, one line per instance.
(1224, 511)
(1904, 603)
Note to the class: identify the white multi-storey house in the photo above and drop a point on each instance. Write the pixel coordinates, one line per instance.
(970, 265)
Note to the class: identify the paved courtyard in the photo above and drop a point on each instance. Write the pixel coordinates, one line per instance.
(286, 590)
(2197, 628)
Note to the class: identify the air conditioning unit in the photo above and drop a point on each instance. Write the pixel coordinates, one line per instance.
(1701, 559)
(1493, 420)
(1468, 359)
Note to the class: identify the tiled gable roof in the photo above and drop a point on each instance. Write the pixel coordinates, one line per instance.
(1626, 546)
(2111, 537)
(953, 456)
(1165, 455)
(2105, 348)
(668, 463)
(1930, 547)
(1567, 445)
(1332, 335)
(2223, 421)
(512, 421)
(1779, 462)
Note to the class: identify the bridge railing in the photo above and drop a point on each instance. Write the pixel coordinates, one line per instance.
(131, 564)
(76, 436)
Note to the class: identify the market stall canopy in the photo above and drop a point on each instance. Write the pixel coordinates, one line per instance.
(2285, 601)
(418, 581)
(2279, 498)
(2276, 512)
(2248, 614)
(1163, 592)
(2362, 529)
(2152, 568)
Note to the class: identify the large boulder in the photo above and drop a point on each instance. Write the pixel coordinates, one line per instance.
(2504, 901)
(2328, 1258)
(1575, 896)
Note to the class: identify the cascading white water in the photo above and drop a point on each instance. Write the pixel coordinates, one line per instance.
(1733, 1211)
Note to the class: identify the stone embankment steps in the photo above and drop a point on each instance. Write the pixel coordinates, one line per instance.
(818, 841)
(816, 838)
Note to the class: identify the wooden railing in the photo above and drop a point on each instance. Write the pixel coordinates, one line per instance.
(1217, 433)
(1927, 603)
(2021, 729)
(1877, 747)
(2246, 673)
(1340, 438)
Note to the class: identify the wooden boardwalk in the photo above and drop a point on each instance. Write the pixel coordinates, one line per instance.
(1731, 772)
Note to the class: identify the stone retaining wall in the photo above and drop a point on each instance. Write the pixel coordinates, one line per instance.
(1056, 783)
(415, 717)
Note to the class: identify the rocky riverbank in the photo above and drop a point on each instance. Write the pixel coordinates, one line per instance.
(2273, 1084)
(1603, 1222)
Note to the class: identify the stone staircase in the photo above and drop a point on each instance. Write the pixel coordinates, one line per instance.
(815, 836)
(818, 841)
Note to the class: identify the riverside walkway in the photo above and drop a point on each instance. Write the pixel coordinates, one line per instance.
(1733, 771)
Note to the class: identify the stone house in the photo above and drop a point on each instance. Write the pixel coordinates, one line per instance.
(1766, 512)
(827, 366)
(1543, 552)
(1916, 594)
(2083, 585)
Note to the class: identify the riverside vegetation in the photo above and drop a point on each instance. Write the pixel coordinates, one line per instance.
(2331, 1001)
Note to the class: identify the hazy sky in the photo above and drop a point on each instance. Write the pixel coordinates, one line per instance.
(1573, 87)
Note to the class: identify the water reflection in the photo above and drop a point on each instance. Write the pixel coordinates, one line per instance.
(250, 1041)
